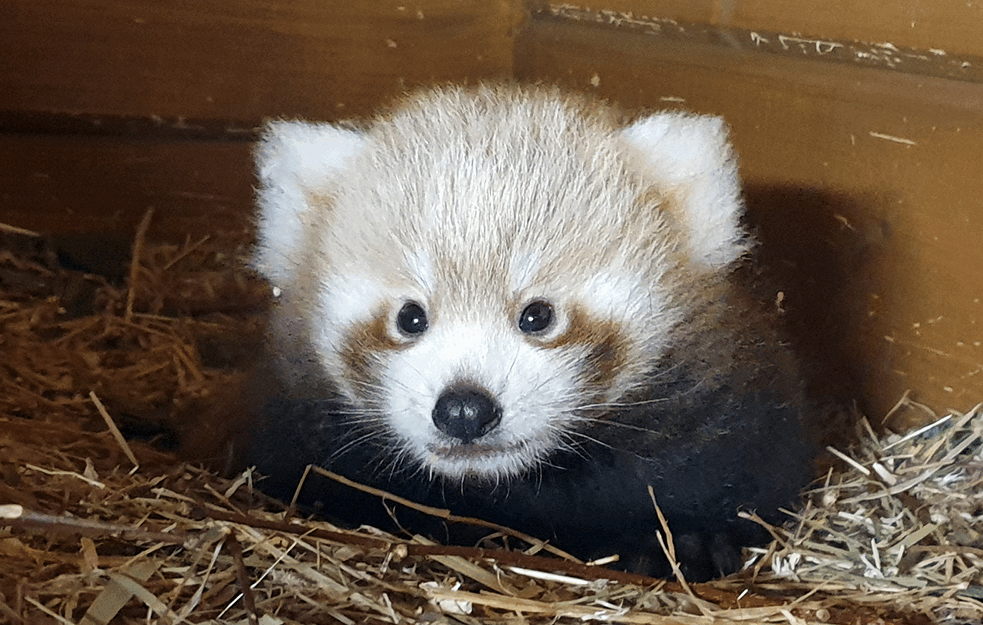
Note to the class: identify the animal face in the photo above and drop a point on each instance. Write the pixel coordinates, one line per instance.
(483, 271)
(483, 384)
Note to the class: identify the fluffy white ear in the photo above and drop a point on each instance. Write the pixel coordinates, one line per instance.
(690, 158)
(294, 159)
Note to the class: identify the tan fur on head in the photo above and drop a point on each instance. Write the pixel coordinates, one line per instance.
(473, 202)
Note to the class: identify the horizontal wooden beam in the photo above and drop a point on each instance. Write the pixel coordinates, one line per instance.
(242, 60)
(88, 184)
(53, 123)
(912, 36)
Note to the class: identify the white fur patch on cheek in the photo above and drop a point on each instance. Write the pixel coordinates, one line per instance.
(614, 294)
(410, 394)
(342, 303)
(642, 309)
(350, 298)
(538, 394)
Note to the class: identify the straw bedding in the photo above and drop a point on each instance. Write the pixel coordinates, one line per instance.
(99, 522)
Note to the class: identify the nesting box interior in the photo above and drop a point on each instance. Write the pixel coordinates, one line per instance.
(858, 125)
(858, 129)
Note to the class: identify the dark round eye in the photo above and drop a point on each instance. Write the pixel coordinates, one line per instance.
(536, 317)
(411, 319)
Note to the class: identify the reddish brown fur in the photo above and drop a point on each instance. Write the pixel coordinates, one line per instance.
(607, 346)
(367, 341)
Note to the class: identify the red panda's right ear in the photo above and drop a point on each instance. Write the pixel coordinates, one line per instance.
(295, 160)
(690, 157)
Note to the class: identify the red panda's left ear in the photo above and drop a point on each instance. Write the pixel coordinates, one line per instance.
(295, 160)
(689, 158)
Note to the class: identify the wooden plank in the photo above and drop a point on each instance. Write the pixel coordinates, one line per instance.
(61, 123)
(949, 26)
(864, 184)
(243, 60)
(759, 37)
(83, 184)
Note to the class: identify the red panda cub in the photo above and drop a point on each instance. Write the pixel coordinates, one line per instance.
(517, 304)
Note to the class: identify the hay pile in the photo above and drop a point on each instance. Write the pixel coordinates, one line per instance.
(96, 526)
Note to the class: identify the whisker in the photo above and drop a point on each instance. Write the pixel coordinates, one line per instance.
(338, 453)
(586, 437)
(616, 424)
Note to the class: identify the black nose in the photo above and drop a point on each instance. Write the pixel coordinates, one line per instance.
(466, 413)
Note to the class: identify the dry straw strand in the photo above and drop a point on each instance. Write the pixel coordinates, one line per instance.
(892, 535)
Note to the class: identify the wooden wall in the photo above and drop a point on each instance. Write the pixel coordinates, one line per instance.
(108, 107)
(859, 125)
(863, 162)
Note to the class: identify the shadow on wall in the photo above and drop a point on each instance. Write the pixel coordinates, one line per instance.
(822, 252)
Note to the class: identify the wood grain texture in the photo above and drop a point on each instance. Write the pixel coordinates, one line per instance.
(952, 26)
(242, 60)
(716, 23)
(83, 184)
(864, 184)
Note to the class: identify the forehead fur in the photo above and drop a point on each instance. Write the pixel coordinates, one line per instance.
(490, 183)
